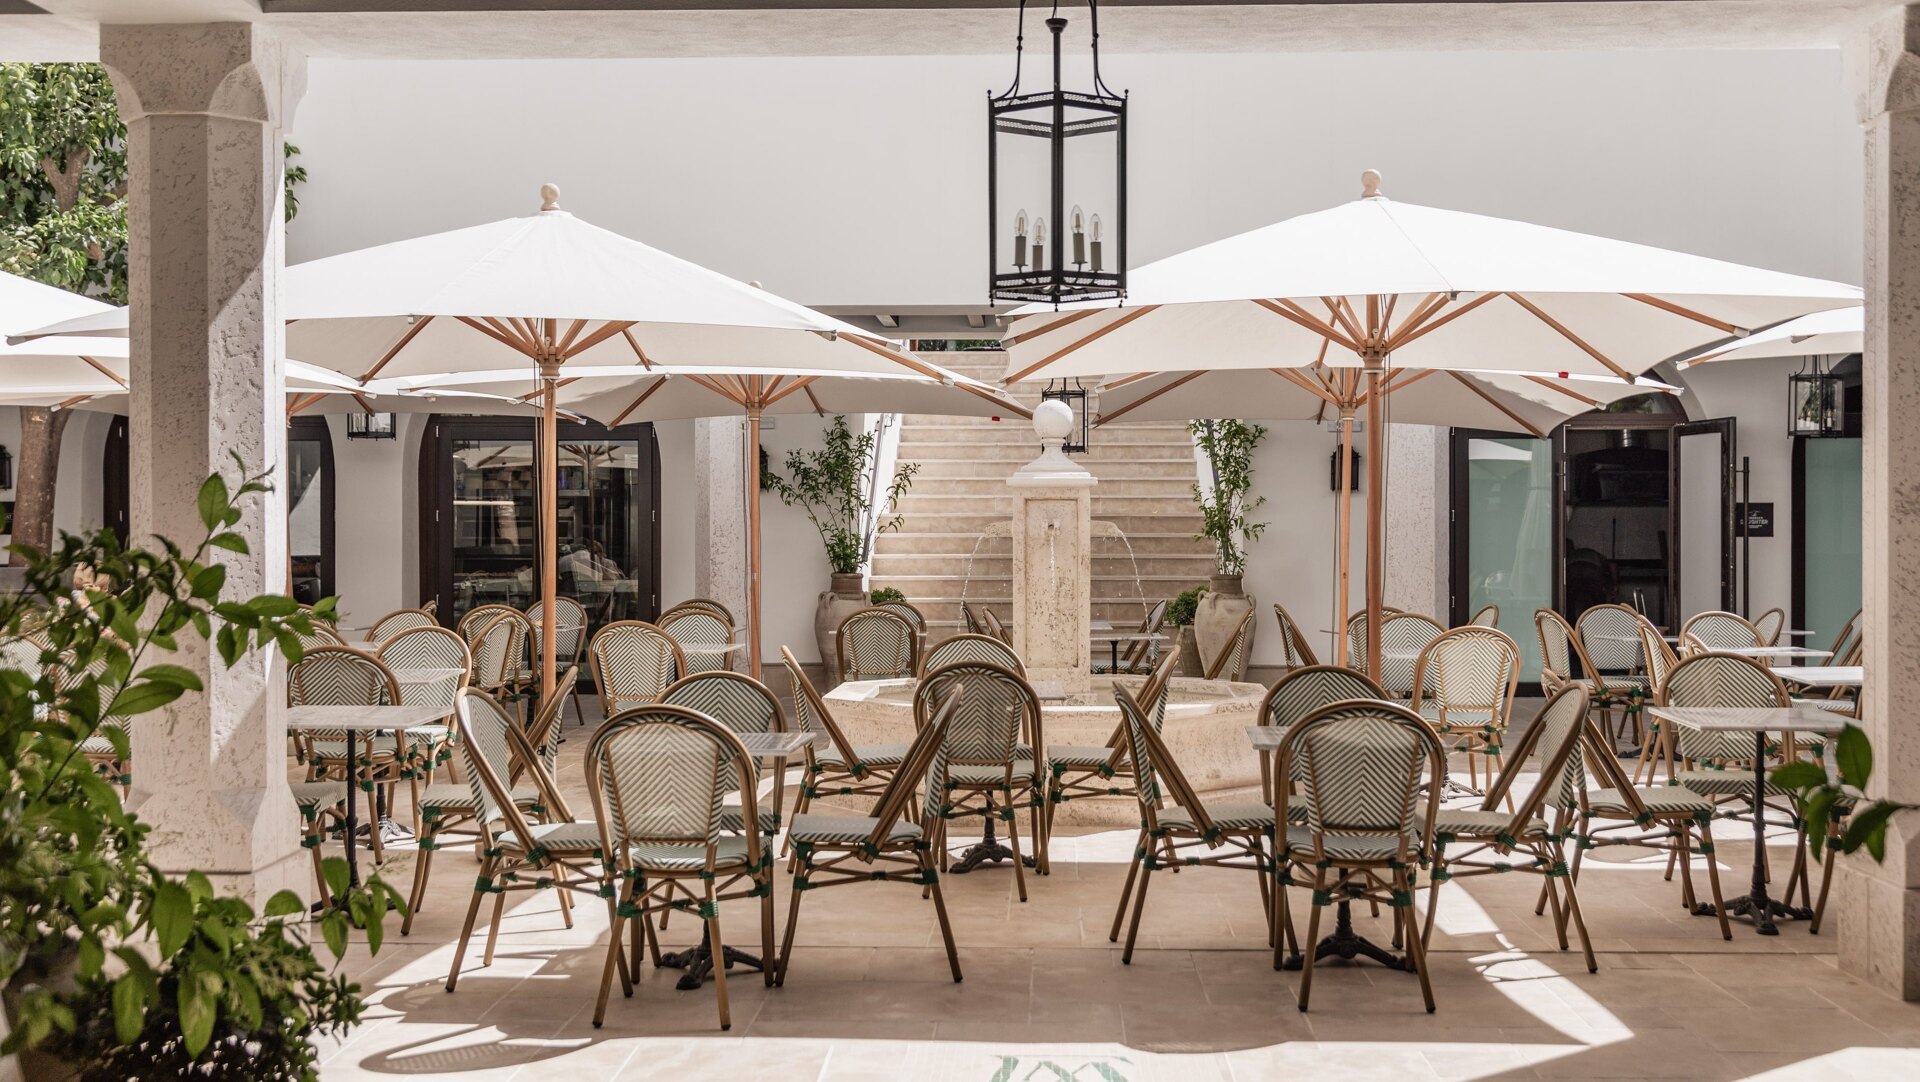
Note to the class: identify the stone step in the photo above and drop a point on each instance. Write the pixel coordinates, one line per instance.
(1105, 505)
(978, 518)
(1000, 564)
(1106, 586)
(1020, 451)
(903, 541)
(1170, 488)
(1143, 466)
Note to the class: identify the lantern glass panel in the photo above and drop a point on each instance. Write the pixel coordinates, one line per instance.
(1813, 404)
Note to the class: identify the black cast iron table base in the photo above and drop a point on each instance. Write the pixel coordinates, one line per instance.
(698, 962)
(987, 849)
(1347, 945)
(1755, 903)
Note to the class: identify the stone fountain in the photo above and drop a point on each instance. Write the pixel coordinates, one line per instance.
(1052, 532)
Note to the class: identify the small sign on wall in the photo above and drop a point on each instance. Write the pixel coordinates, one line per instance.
(1753, 520)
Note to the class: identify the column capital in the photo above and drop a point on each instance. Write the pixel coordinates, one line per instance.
(237, 71)
(1884, 65)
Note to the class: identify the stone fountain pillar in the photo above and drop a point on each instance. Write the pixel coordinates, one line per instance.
(1052, 558)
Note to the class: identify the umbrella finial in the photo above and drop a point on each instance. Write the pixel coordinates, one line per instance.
(1370, 184)
(549, 197)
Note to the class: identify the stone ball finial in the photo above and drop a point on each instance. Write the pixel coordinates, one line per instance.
(1052, 420)
(549, 197)
(1370, 184)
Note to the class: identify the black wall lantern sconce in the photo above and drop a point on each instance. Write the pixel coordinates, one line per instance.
(1814, 398)
(372, 426)
(1334, 471)
(1063, 154)
(6, 468)
(1071, 394)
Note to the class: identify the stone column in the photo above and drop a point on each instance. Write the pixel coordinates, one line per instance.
(1417, 543)
(1878, 905)
(205, 106)
(719, 513)
(1052, 560)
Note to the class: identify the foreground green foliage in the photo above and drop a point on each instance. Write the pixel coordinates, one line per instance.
(1819, 795)
(108, 965)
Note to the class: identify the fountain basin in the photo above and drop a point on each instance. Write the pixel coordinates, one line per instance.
(1205, 730)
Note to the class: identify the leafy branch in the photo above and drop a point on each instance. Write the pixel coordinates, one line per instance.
(1818, 795)
(1226, 507)
(830, 485)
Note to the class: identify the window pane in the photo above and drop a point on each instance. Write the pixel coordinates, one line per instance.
(306, 489)
(493, 523)
(600, 497)
(1509, 517)
(1833, 536)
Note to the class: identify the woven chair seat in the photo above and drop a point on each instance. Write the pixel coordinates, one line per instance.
(868, 754)
(1080, 756)
(1615, 682)
(555, 837)
(456, 797)
(811, 829)
(732, 818)
(989, 774)
(1729, 782)
(1227, 815)
(1358, 847)
(1474, 823)
(1659, 800)
(688, 856)
(318, 794)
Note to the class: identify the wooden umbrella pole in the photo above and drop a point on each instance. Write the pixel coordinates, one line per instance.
(550, 531)
(753, 535)
(1343, 537)
(1376, 527)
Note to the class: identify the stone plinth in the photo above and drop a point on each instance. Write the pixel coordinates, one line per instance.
(1205, 730)
(1053, 558)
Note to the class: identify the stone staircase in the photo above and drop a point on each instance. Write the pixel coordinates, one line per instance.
(1145, 471)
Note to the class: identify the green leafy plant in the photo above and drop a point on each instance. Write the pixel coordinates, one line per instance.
(886, 595)
(1180, 611)
(830, 484)
(1818, 795)
(109, 965)
(1226, 507)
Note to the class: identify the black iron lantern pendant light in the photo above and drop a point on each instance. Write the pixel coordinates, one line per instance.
(1057, 183)
(1814, 402)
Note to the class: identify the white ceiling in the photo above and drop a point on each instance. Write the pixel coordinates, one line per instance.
(654, 28)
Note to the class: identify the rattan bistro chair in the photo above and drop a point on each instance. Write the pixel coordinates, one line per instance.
(1708, 631)
(1532, 835)
(1403, 635)
(1231, 662)
(1371, 776)
(877, 644)
(495, 668)
(913, 615)
(633, 664)
(972, 647)
(836, 767)
(835, 850)
(1464, 685)
(702, 636)
(516, 854)
(569, 638)
(995, 755)
(1081, 771)
(1144, 652)
(1300, 693)
(1561, 650)
(1770, 624)
(430, 648)
(743, 705)
(1186, 831)
(397, 621)
(1296, 652)
(660, 776)
(343, 676)
(1486, 616)
(990, 621)
(1657, 747)
(703, 604)
(1717, 764)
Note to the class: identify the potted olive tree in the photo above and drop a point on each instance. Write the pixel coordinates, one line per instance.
(1180, 614)
(837, 488)
(1226, 506)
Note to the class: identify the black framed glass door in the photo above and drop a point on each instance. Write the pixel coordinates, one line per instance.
(310, 496)
(479, 526)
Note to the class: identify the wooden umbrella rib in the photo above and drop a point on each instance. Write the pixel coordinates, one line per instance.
(724, 392)
(573, 332)
(1293, 312)
(1491, 401)
(988, 395)
(1128, 381)
(104, 370)
(1428, 305)
(1342, 314)
(1082, 343)
(645, 361)
(1312, 387)
(1148, 397)
(776, 393)
(1410, 334)
(818, 409)
(491, 330)
(1064, 320)
(302, 402)
(600, 334)
(1408, 377)
(72, 402)
(1684, 312)
(658, 382)
(394, 350)
(1561, 329)
(1590, 403)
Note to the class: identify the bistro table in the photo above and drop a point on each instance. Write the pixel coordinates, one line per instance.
(407, 676)
(777, 748)
(712, 650)
(1343, 942)
(1764, 652)
(353, 721)
(1823, 676)
(1759, 721)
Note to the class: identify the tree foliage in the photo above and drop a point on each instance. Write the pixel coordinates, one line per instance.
(831, 485)
(63, 178)
(1226, 507)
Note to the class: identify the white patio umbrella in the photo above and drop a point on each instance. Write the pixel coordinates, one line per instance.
(615, 395)
(1351, 303)
(1823, 334)
(551, 295)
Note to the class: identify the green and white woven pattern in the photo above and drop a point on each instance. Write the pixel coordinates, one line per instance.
(973, 648)
(633, 663)
(876, 644)
(1720, 680)
(569, 627)
(694, 628)
(427, 648)
(394, 623)
(1601, 629)
(1466, 678)
(664, 777)
(741, 703)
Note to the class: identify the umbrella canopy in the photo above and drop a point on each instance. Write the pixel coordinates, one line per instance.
(1501, 402)
(55, 363)
(1823, 334)
(1352, 303)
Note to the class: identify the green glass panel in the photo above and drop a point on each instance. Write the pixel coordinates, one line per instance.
(1509, 516)
(1832, 552)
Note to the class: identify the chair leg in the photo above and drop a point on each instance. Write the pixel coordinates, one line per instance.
(940, 911)
(719, 948)
(612, 963)
(1580, 927)
(473, 913)
(765, 881)
(1139, 904)
(1713, 883)
(1313, 938)
(1433, 898)
(1013, 843)
(422, 868)
(561, 879)
(793, 922)
(1126, 889)
(1416, 950)
(493, 926)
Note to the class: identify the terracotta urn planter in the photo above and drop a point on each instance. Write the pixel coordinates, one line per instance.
(1221, 609)
(846, 595)
(1189, 663)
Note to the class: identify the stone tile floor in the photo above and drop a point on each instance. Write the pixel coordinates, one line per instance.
(1046, 998)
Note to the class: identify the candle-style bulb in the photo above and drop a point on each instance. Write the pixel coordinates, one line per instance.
(1039, 244)
(1098, 232)
(1020, 239)
(1079, 221)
